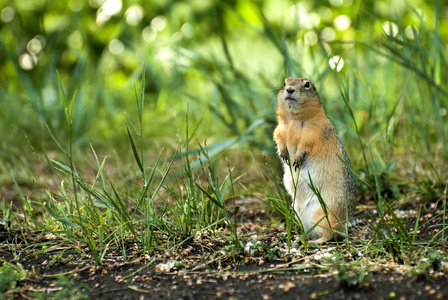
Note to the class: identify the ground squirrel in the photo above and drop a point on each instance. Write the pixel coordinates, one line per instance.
(308, 145)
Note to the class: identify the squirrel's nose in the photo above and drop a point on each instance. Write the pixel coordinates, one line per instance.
(290, 90)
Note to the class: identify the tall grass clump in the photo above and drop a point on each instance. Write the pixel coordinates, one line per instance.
(94, 213)
(163, 206)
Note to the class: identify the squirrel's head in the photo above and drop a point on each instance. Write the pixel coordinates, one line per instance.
(296, 93)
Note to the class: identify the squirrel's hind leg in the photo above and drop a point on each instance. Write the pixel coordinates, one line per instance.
(326, 228)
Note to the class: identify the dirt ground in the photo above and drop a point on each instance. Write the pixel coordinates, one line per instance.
(200, 268)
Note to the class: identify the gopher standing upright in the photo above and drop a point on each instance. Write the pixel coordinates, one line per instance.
(309, 148)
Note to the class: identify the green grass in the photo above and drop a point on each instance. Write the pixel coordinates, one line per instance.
(161, 160)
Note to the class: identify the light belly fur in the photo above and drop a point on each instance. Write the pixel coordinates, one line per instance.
(305, 201)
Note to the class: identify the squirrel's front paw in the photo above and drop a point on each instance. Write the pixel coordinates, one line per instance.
(299, 161)
(284, 156)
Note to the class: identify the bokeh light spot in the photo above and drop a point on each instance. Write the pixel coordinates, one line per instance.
(409, 32)
(107, 10)
(328, 34)
(336, 62)
(75, 40)
(112, 7)
(34, 46)
(305, 18)
(342, 22)
(134, 15)
(102, 18)
(116, 47)
(187, 30)
(390, 28)
(310, 38)
(7, 14)
(336, 2)
(325, 13)
(27, 61)
(158, 23)
(149, 34)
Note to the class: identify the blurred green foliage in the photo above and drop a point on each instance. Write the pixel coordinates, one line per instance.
(225, 59)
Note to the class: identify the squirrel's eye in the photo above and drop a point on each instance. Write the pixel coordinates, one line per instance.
(307, 84)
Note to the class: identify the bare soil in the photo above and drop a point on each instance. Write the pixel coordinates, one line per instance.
(203, 267)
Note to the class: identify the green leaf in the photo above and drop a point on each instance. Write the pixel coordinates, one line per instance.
(64, 99)
(134, 150)
(59, 218)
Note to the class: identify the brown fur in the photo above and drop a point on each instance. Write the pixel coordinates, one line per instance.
(308, 138)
